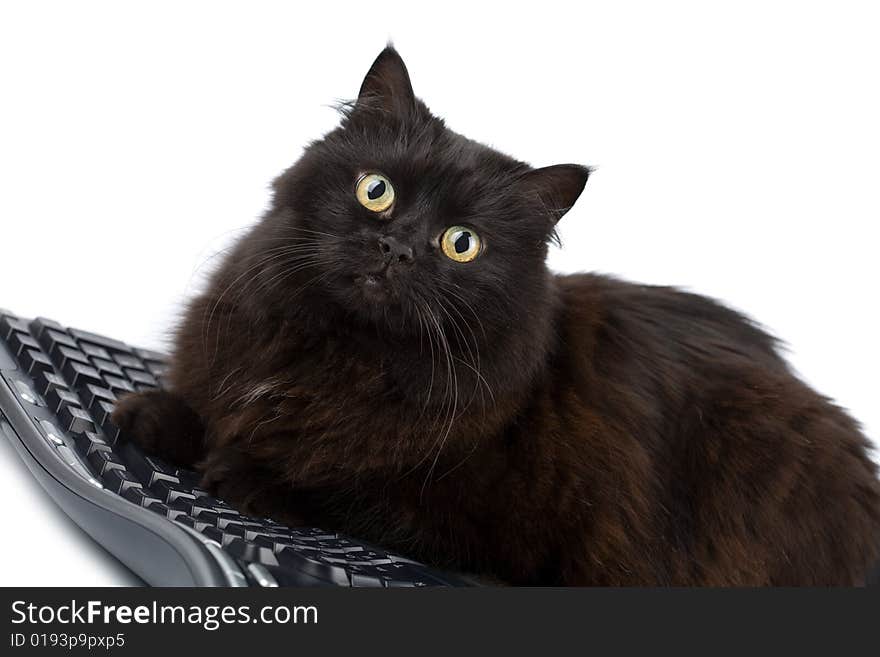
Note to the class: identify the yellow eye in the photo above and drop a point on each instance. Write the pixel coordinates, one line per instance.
(374, 192)
(461, 244)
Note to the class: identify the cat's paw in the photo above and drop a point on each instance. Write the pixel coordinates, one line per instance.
(258, 504)
(162, 424)
(238, 481)
(138, 418)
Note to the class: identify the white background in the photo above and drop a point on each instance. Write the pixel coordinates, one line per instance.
(737, 146)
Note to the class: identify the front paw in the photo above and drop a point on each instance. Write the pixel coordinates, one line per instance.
(247, 489)
(138, 416)
(161, 424)
(257, 503)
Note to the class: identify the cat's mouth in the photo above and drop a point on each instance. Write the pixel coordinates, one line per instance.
(374, 284)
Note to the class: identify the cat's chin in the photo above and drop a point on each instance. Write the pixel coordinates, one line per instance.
(379, 302)
(372, 288)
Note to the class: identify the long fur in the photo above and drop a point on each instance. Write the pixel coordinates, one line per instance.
(490, 416)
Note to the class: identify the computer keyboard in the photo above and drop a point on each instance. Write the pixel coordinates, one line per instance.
(58, 389)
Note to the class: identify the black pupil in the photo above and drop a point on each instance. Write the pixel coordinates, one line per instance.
(376, 189)
(463, 242)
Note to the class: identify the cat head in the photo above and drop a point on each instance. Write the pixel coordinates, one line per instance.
(395, 221)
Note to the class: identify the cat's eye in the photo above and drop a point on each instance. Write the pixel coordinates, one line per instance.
(460, 244)
(374, 192)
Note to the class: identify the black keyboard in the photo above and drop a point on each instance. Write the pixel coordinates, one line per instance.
(56, 396)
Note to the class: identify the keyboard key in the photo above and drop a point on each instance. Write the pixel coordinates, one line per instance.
(79, 375)
(205, 514)
(229, 521)
(375, 558)
(88, 441)
(147, 469)
(92, 392)
(232, 530)
(161, 467)
(361, 580)
(9, 325)
(52, 339)
(149, 355)
(291, 558)
(119, 480)
(101, 410)
(141, 379)
(201, 494)
(34, 362)
(261, 537)
(128, 361)
(18, 342)
(191, 480)
(264, 540)
(60, 397)
(40, 325)
(226, 511)
(159, 507)
(107, 367)
(103, 460)
(213, 533)
(241, 549)
(118, 385)
(405, 570)
(61, 355)
(75, 419)
(188, 521)
(46, 381)
(100, 341)
(169, 491)
(178, 509)
(157, 369)
(139, 497)
(396, 583)
(94, 351)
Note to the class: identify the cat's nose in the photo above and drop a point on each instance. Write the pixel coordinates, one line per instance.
(394, 251)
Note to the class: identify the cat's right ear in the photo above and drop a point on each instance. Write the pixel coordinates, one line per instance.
(387, 84)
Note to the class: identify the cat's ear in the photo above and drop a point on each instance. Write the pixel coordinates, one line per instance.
(387, 84)
(557, 187)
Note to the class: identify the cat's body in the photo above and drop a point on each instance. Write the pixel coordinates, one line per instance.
(575, 430)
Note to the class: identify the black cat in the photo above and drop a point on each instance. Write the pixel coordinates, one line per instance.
(387, 354)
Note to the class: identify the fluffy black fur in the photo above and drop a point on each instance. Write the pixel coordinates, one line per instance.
(490, 416)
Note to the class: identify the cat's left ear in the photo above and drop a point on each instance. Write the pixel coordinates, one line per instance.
(557, 186)
(387, 84)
